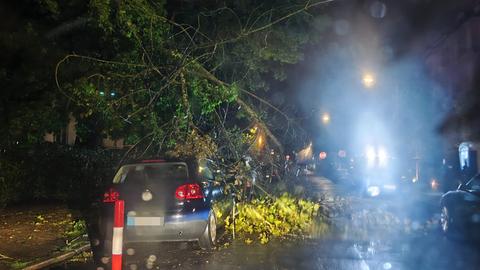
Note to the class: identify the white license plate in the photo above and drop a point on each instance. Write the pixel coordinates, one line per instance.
(145, 221)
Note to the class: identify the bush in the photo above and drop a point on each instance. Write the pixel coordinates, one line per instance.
(267, 217)
(9, 182)
(75, 229)
(54, 172)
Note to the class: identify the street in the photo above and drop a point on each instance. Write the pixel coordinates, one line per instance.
(371, 233)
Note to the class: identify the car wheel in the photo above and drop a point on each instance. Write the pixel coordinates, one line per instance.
(446, 221)
(207, 240)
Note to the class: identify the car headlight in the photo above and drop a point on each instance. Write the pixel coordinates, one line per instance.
(376, 156)
(370, 155)
(382, 157)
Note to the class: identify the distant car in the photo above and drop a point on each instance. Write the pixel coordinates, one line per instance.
(379, 186)
(460, 209)
(165, 201)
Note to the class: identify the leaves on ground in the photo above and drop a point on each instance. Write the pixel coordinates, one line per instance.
(267, 217)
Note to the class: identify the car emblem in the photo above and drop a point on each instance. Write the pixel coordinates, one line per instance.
(147, 195)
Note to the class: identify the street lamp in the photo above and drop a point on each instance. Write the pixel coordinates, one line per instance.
(326, 118)
(368, 80)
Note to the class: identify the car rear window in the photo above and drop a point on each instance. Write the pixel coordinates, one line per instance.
(170, 171)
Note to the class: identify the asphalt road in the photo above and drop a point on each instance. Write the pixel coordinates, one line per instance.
(396, 232)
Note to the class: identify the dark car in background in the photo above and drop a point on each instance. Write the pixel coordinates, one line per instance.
(165, 200)
(460, 209)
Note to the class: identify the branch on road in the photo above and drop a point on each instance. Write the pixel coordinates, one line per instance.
(58, 259)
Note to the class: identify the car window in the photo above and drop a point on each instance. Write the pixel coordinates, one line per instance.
(174, 171)
(204, 169)
(474, 183)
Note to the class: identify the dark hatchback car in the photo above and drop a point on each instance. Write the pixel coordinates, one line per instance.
(460, 210)
(165, 201)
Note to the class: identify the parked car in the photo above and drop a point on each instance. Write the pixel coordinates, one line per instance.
(165, 200)
(460, 209)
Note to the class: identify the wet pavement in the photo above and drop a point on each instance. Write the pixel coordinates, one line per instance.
(396, 232)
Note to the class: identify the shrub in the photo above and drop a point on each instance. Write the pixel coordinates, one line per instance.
(54, 172)
(10, 185)
(267, 217)
(76, 228)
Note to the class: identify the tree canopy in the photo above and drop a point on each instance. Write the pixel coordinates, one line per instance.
(157, 73)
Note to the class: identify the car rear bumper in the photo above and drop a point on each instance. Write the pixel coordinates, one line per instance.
(174, 228)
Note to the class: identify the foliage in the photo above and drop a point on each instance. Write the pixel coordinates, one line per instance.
(210, 97)
(267, 217)
(222, 209)
(48, 171)
(75, 229)
(150, 71)
(10, 174)
(28, 102)
(18, 264)
(195, 145)
(187, 79)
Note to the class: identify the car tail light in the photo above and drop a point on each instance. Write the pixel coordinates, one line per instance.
(189, 192)
(111, 196)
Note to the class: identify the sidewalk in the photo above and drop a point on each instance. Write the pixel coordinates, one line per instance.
(30, 233)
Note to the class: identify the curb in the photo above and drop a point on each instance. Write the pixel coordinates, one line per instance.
(58, 259)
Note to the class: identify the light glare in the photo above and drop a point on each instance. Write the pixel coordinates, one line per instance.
(373, 191)
(326, 118)
(368, 80)
(434, 184)
(382, 157)
(370, 153)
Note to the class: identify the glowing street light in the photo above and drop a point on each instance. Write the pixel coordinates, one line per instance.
(260, 141)
(326, 118)
(368, 80)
